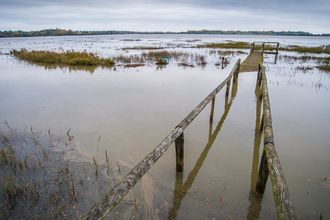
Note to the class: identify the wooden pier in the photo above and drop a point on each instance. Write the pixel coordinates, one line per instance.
(269, 165)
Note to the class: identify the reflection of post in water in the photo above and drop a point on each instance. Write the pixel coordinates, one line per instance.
(180, 190)
(254, 198)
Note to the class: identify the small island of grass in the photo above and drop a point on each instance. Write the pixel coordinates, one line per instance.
(69, 57)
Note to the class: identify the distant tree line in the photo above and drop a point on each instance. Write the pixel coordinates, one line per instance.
(62, 32)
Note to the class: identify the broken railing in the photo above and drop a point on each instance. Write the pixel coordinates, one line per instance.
(270, 163)
(263, 49)
(104, 206)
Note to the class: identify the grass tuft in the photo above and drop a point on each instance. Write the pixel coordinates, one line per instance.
(300, 49)
(69, 57)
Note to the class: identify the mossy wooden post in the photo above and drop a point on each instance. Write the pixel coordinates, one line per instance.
(236, 67)
(179, 143)
(259, 77)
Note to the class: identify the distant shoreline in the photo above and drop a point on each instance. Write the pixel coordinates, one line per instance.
(62, 32)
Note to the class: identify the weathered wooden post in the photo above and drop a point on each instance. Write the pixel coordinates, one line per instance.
(252, 48)
(228, 88)
(235, 76)
(212, 110)
(263, 47)
(179, 142)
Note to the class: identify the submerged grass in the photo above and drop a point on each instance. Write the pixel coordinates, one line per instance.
(37, 181)
(69, 57)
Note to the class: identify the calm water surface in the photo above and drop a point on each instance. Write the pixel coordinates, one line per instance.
(133, 109)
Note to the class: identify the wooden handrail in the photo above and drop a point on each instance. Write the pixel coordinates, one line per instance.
(270, 162)
(104, 206)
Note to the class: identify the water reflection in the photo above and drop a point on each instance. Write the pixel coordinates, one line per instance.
(254, 198)
(89, 69)
(181, 189)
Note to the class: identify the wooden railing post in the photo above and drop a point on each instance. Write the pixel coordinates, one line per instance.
(179, 149)
(228, 88)
(212, 110)
(252, 48)
(263, 47)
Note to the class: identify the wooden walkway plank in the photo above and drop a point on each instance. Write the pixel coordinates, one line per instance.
(251, 63)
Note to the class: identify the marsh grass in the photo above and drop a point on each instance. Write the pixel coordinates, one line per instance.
(143, 48)
(131, 40)
(156, 56)
(134, 65)
(69, 57)
(323, 63)
(38, 181)
(301, 49)
(230, 44)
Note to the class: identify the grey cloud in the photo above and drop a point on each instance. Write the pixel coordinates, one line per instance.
(169, 15)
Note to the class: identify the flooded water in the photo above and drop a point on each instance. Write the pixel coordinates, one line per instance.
(129, 111)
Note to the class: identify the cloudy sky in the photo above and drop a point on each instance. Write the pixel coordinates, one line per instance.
(166, 15)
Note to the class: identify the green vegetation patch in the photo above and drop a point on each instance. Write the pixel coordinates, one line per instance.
(301, 49)
(69, 57)
(231, 44)
(324, 68)
(143, 48)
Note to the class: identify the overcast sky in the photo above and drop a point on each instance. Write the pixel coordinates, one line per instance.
(166, 15)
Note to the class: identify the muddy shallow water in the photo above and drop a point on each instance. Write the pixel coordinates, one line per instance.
(133, 109)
